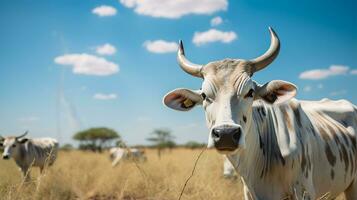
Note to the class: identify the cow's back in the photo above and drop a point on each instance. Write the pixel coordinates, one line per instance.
(116, 152)
(42, 151)
(342, 111)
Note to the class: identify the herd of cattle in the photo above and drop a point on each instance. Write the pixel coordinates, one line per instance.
(281, 147)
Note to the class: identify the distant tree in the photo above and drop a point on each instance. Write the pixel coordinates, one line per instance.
(96, 139)
(162, 138)
(194, 145)
(66, 147)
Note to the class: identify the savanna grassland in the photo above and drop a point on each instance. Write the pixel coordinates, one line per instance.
(86, 175)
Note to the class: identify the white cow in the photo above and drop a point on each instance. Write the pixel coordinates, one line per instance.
(117, 154)
(281, 147)
(26, 152)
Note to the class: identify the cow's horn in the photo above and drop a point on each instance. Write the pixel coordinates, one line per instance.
(186, 65)
(268, 57)
(23, 135)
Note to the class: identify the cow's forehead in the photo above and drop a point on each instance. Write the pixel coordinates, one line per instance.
(9, 140)
(227, 73)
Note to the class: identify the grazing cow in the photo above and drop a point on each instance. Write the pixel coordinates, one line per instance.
(26, 152)
(117, 154)
(280, 146)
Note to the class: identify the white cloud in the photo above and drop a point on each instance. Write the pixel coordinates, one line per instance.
(175, 8)
(88, 64)
(29, 119)
(190, 125)
(338, 93)
(144, 119)
(353, 72)
(317, 74)
(216, 21)
(160, 46)
(338, 69)
(213, 35)
(307, 88)
(104, 11)
(101, 96)
(106, 49)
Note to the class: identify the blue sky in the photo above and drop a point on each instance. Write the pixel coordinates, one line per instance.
(71, 65)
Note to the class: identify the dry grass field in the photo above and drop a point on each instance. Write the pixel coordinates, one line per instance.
(86, 175)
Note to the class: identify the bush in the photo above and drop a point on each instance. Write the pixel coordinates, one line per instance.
(67, 147)
(194, 145)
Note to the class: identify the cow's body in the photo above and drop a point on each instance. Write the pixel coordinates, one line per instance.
(27, 153)
(117, 154)
(300, 149)
(37, 152)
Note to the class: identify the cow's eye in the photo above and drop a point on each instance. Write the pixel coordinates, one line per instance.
(203, 95)
(14, 145)
(249, 94)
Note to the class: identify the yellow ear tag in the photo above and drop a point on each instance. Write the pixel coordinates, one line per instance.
(188, 103)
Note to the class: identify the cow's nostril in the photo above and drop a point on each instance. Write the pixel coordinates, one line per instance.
(236, 134)
(215, 133)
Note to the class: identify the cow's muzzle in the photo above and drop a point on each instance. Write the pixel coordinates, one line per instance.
(226, 137)
(5, 157)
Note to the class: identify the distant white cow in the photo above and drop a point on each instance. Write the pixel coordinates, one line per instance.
(117, 154)
(26, 152)
(228, 169)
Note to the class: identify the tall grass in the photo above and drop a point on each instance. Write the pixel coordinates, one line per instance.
(85, 175)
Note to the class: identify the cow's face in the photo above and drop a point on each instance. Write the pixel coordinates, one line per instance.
(227, 95)
(11, 145)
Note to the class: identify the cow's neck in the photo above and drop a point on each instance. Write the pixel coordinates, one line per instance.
(261, 153)
(248, 160)
(19, 155)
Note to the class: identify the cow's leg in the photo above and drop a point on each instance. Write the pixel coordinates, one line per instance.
(42, 169)
(298, 192)
(303, 190)
(116, 161)
(26, 173)
(351, 191)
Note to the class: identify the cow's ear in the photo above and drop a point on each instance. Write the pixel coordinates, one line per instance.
(182, 99)
(276, 91)
(23, 140)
